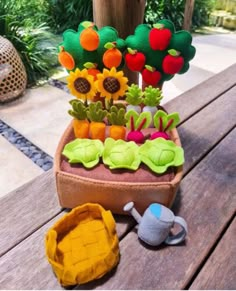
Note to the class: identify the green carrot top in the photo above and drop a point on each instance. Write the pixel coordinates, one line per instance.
(78, 109)
(116, 116)
(95, 112)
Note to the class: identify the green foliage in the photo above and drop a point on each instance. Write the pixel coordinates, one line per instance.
(67, 14)
(152, 96)
(134, 95)
(116, 116)
(95, 112)
(79, 109)
(32, 41)
(174, 11)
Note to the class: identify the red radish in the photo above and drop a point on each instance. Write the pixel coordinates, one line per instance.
(162, 131)
(159, 37)
(135, 60)
(136, 135)
(151, 76)
(173, 62)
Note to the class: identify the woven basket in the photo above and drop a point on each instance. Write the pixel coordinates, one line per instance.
(13, 77)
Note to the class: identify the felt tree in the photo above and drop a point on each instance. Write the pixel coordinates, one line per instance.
(159, 52)
(91, 48)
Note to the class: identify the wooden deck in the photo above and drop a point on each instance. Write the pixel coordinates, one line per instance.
(206, 199)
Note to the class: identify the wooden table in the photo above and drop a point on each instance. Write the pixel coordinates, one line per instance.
(206, 199)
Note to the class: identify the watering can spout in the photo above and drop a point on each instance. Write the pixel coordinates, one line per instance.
(129, 207)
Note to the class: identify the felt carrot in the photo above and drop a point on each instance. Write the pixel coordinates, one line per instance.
(116, 118)
(66, 59)
(96, 115)
(112, 56)
(80, 122)
(89, 39)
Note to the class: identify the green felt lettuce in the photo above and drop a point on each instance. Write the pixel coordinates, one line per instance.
(165, 122)
(85, 151)
(72, 45)
(119, 154)
(180, 41)
(159, 154)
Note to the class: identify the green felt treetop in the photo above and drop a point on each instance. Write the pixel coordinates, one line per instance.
(159, 51)
(89, 44)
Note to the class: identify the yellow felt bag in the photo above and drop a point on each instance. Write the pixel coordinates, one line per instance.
(83, 245)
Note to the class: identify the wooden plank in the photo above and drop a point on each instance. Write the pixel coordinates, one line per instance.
(201, 132)
(26, 267)
(26, 209)
(207, 202)
(219, 272)
(32, 205)
(198, 97)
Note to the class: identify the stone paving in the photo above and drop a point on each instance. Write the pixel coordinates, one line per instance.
(39, 118)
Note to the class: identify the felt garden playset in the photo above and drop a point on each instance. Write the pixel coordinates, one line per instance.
(121, 144)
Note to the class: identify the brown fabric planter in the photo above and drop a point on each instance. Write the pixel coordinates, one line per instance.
(113, 189)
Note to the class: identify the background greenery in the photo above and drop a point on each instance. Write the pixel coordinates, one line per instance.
(35, 26)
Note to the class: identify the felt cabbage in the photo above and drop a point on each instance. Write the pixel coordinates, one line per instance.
(85, 151)
(159, 154)
(120, 154)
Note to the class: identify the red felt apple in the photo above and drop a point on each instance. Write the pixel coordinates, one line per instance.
(135, 60)
(151, 76)
(159, 37)
(173, 62)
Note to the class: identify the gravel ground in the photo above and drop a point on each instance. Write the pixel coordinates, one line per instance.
(39, 157)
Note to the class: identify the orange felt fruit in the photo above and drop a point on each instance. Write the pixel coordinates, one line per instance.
(89, 39)
(66, 60)
(112, 58)
(94, 73)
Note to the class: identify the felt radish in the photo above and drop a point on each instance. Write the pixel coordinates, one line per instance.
(135, 60)
(134, 98)
(136, 123)
(159, 37)
(173, 62)
(151, 76)
(164, 122)
(152, 98)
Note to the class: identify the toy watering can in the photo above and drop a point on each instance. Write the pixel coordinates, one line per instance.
(155, 224)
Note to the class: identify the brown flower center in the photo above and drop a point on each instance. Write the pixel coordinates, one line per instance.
(82, 85)
(111, 85)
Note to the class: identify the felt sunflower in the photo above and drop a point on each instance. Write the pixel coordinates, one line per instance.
(111, 84)
(81, 84)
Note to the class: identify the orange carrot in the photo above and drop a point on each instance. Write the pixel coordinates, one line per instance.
(89, 39)
(81, 128)
(66, 59)
(98, 130)
(117, 132)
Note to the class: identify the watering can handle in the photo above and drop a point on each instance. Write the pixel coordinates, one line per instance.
(180, 236)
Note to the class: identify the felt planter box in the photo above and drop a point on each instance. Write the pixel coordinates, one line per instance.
(113, 189)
